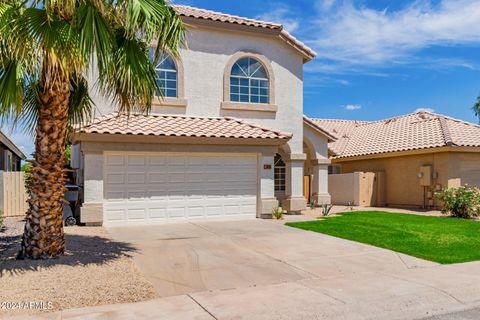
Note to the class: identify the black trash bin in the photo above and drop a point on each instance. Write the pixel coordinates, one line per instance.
(72, 198)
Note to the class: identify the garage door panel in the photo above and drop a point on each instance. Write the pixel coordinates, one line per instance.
(176, 212)
(115, 160)
(113, 213)
(115, 196)
(157, 213)
(196, 211)
(136, 196)
(176, 161)
(115, 178)
(136, 160)
(157, 194)
(156, 178)
(214, 210)
(137, 213)
(136, 178)
(195, 177)
(161, 187)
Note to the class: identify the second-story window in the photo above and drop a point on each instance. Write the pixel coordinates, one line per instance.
(249, 82)
(167, 75)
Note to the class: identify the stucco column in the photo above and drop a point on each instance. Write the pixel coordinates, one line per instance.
(267, 185)
(294, 188)
(92, 209)
(320, 181)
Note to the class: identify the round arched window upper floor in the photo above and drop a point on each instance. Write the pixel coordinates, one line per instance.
(167, 75)
(249, 81)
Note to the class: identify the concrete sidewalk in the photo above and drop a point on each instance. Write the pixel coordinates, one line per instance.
(257, 269)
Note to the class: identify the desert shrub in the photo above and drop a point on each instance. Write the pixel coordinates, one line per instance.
(277, 213)
(326, 209)
(462, 202)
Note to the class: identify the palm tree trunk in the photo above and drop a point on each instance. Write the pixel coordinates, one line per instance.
(43, 235)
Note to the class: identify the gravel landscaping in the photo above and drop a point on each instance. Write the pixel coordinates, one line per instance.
(96, 270)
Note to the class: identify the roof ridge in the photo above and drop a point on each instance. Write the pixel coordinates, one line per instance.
(456, 120)
(277, 25)
(339, 120)
(445, 131)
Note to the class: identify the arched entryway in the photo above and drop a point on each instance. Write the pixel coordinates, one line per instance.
(315, 171)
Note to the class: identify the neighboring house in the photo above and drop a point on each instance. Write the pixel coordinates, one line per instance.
(10, 155)
(228, 139)
(418, 153)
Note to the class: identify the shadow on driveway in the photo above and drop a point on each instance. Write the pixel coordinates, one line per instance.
(84, 246)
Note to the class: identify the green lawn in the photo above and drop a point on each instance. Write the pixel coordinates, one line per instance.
(444, 240)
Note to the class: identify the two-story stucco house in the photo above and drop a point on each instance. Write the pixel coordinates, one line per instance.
(228, 139)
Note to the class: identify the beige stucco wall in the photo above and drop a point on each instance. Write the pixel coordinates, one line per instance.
(209, 51)
(402, 186)
(465, 167)
(344, 188)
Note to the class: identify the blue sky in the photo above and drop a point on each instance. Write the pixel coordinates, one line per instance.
(376, 58)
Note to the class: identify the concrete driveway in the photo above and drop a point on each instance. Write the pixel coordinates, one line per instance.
(258, 269)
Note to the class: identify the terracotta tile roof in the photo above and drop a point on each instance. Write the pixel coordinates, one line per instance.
(197, 13)
(328, 134)
(180, 126)
(341, 129)
(421, 130)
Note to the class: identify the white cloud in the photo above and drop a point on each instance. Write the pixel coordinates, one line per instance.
(352, 107)
(425, 110)
(355, 34)
(281, 14)
(326, 4)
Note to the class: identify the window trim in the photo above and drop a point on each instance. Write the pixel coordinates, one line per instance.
(180, 100)
(227, 104)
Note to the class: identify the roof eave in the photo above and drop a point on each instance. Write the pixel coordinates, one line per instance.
(12, 146)
(116, 137)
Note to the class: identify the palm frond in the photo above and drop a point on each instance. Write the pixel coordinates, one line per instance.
(80, 104)
(131, 76)
(476, 108)
(170, 34)
(153, 20)
(11, 89)
(95, 35)
(79, 109)
(52, 35)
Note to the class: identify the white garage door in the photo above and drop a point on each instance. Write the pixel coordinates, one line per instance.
(144, 188)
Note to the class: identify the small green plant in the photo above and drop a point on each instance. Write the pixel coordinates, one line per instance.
(313, 204)
(27, 175)
(277, 213)
(350, 205)
(1, 220)
(462, 202)
(326, 209)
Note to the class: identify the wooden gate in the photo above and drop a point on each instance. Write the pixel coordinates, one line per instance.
(307, 188)
(14, 194)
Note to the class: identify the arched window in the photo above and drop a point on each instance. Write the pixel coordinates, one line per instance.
(249, 82)
(167, 75)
